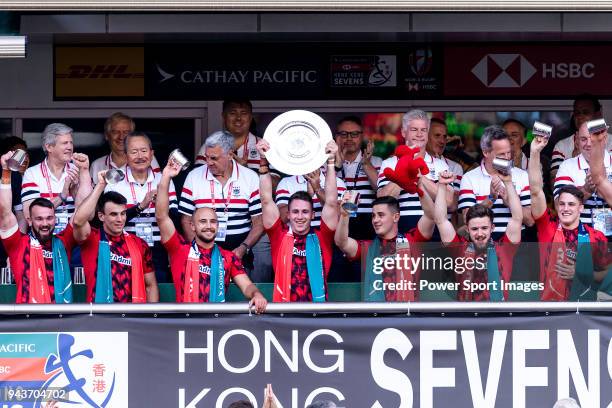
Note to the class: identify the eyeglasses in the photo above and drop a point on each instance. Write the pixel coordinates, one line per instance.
(354, 134)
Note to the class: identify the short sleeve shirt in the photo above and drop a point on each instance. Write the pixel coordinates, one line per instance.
(573, 172)
(410, 206)
(17, 246)
(476, 188)
(505, 250)
(178, 249)
(238, 199)
(121, 265)
(300, 284)
(388, 247)
(105, 163)
(292, 184)
(547, 225)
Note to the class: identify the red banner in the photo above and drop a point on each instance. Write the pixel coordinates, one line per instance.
(529, 70)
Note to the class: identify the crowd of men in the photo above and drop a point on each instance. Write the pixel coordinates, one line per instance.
(238, 220)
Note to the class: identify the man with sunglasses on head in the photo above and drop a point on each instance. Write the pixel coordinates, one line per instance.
(358, 168)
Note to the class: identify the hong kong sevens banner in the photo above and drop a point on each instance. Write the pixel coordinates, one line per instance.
(358, 362)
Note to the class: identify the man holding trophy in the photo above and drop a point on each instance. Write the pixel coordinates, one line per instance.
(301, 256)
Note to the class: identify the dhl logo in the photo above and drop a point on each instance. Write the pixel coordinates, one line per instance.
(101, 71)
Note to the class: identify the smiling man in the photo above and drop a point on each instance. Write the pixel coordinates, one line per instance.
(576, 171)
(56, 178)
(118, 264)
(39, 260)
(415, 129)
(301, 256)
(493, 258)
(116, 128)
(573, 255)
(201, 270)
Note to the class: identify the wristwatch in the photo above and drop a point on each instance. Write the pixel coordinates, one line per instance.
(248, 248)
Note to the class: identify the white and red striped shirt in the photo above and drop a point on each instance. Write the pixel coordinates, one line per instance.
(476, 187)
(135, 192)
(360, 182)
(565, 147)
(238, 199)
(39, 181)
(105, 163)
(410, 206)
(292, 184)
(573, 172)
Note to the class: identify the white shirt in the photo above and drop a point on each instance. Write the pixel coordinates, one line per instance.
(410, 206)
(476, 187)
(39, 181)
(573, 172)
(457, 170)
(134, 193)
(238, 199)
(292, 184)
(564, 148)
(360, 182)
(105, 163)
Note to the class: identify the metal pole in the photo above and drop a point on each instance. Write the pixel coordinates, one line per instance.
(311, 308)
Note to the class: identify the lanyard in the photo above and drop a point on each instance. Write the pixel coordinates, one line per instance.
(229, 195)
(245, 153)
(131, 183)
(45, 173)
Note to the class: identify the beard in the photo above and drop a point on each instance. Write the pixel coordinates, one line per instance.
(42, 236)
(202, 237)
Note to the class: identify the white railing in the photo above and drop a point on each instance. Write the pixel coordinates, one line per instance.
(347, 308)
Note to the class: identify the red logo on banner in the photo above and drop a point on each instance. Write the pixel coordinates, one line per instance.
(537, 70)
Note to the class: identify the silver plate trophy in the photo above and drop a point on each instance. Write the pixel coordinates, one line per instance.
(297, 142)
(596, 126)
(179, 158)
(113, 176)
(502, 165)
(542, 130)
(17, 160)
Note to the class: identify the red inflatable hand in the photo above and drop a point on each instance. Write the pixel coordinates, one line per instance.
(407, 170)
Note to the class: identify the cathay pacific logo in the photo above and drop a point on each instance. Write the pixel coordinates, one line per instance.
(164, 75)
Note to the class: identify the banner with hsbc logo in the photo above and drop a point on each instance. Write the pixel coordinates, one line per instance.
(357, 361)
(332, 71)
(543, 70)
